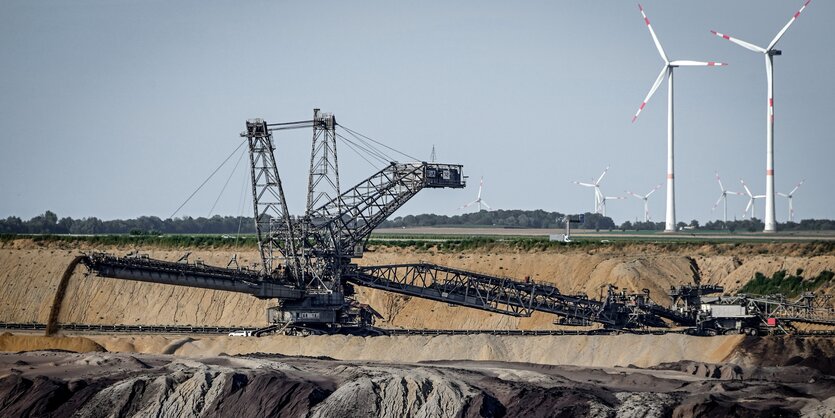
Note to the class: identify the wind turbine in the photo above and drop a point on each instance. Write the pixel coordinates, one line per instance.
(667, 70)
(790, 196)
(478, 199)
(603, 200)
(769, 52)
(751, 199)
(598, 195)
(645, 198)
(724, 197)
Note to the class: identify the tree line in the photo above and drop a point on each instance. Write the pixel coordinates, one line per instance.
(503, 219)
(49, 223)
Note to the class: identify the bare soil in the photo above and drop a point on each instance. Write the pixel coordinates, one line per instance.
(30, 273)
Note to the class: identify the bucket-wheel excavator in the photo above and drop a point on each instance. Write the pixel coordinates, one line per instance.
(306, 261)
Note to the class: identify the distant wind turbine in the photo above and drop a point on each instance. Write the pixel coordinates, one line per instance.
(478, 199)
(724, 198)
(751, 200)
(603, 200)
(667, 70)
(598, 195)
(645, 198)
(790, 196)
(769, 52)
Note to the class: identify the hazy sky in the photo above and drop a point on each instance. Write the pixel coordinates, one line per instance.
(118, 109)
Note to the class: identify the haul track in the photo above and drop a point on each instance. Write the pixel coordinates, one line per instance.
(209, 330)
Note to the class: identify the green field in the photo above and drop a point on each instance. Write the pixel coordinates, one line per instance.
(457, 240)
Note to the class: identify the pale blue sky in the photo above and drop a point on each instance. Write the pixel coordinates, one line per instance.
(119, 109)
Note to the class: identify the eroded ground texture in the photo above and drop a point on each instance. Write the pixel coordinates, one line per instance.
(97, 384)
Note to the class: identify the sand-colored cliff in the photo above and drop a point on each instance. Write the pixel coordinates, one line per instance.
(30, 273)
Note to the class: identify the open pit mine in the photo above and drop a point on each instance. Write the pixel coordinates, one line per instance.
(315, 321)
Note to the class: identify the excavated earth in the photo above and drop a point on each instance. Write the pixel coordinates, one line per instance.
(30, 273)
(477, 375)
(93, 384)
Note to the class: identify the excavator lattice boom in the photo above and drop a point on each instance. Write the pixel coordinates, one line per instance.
(307, 261)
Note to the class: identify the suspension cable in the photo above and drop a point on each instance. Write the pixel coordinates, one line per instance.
(359, 146)
(378, 142)
(241, 209)
(351, 146)
(371, 149)
(208, 178)
(223, 189)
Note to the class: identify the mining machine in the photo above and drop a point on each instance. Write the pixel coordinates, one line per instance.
(307, 262)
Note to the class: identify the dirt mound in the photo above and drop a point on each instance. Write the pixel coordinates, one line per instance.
(170, 386)
(595, 351)
(817, 353)
(17, 343)
(706, 370)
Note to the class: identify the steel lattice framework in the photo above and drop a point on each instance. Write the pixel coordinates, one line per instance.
(323, 180)
(504, 295)
(808, 308)
(269, 203)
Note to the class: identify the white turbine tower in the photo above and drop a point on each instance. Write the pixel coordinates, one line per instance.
(598, 195)
(751, 199)
(645, 198)
(790, 196)
(478, 199)
(769, 53)
(668, 71)
(724, 197)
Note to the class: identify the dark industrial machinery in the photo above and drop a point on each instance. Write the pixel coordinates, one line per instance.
(306, 261)
(756, 314)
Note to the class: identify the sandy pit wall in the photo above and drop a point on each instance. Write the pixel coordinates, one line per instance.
(580, 350)
(30, 272)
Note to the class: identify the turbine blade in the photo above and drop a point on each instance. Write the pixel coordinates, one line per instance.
(750, 202)
(480, 186)
(783, 194)
(740, 42)
(654, 37)
(688, 63)
(651, 92)
(720, 182)
(785, 28)
(746, 188)
(635, 194)
(602, 175)
(652, 191)
(717, 202)
(468, 205)
(486, 205)
(584, 184)
(791, 193)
